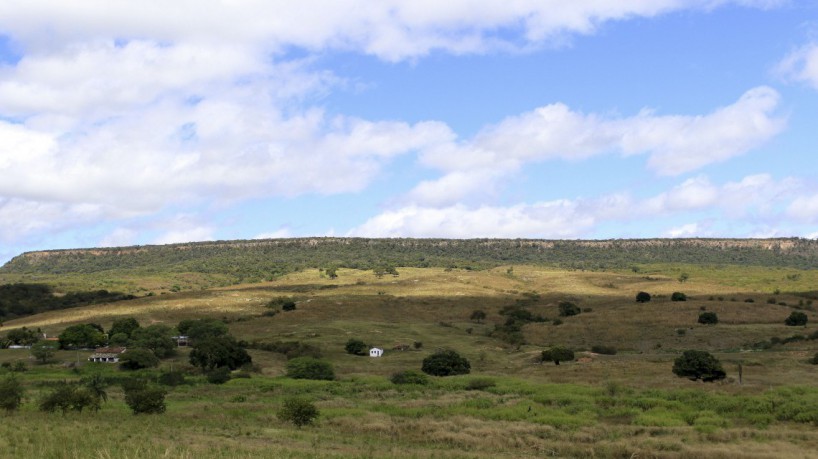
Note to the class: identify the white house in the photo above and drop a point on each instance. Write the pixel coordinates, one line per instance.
(107, 354)
(375, 352)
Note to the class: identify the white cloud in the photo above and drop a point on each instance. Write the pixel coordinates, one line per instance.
(119, 237)
(801, 65)
(804, 208)
(389, 29)
(687, 230)
(277, 234)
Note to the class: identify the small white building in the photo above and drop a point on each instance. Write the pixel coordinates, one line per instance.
(107, 354)
(375, 352)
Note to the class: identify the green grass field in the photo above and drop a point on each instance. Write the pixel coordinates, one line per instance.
(624, 405)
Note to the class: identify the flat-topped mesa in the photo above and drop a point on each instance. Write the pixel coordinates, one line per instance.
(295, 253)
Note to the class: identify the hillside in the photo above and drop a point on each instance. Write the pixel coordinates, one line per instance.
(253, 260)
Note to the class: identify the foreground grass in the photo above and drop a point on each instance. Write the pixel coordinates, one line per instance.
(368, 416)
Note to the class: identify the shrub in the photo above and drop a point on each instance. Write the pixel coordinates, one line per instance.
(355, 347)
(642, 297)
(418, 345)
(698, 365)
(298, 411)
(219, 375)
(11, 393)
(600, 349)
(478, 316)
(66, 397)
(310, 368)
(409, 377)
(136, 359)
(557, 355)
(795, 319)
(288, 306)
(749, 300)
(708, 318)
(144, 399)
(568, 309)
(446, 363)
(814, 359)
(480, 384)
(678, 296)
(172, 378)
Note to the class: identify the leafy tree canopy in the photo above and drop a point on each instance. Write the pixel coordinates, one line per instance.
(695, 365)
(446, 363)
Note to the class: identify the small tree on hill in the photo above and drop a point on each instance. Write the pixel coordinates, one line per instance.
(642, 297)
(299, 411)
(142, 398)
(11, 393)
(796, 318)
(678, 296)
(355, 347)
(557, 355)
(708, 318)
(44, 351)
(137, 359)
(446, 363)
(310, 368)
(698, 365)
(568, 309)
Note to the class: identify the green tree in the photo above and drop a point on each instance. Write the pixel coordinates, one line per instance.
(698, 365)
(137, 359)
(218, 351)
(708, 318)
(22, 336)
(96, 384)
(678, 296)
(219, 375)
(202, 328)
(796, 318)
(557, 355)
(446, 363)
(642, 297)
(299, 411)
(44, 351)
(409, 377)
(355, 347)
(157, 338)
(81, 336)
(332, 272)
(125, 325)
(683, 277)
(568, 309)
(142, 398)
(67, 396)
(11, 393)
(310, 368)
(478, 316)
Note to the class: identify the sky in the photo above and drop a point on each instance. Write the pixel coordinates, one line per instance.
(154, 122)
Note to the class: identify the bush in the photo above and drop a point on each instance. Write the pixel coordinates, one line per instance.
(568, 309)
(678, 296)
(355, 347)
(446, 363)
(409, 377)
(698, 365)
(11, 393)
(288, 306)
(218, 351)
(219, 375)
(642, 297)
(814, 359)
(480, 384)
(796, 318)
(298, 411)
(172, 378)
(557, 355)
(606, 350)
(310, 368)
(478, 316)
(136, 359)
(144, 399)
(67, 396)
(708, 318)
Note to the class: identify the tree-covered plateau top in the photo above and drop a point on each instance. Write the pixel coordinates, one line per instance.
(279, 256)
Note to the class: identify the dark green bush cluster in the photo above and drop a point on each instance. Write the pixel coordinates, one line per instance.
(796, 318)
(69, 396)
(568, 309)
(11, 393)
(310, 368)
(606, 350)
(642, 297)
(143, 398)
(446, 363)
(299, 411)
(409, 377)
(511, 331)
(355, 347)
(557, 355)
(708, 318)
(291, 349)
(678, 296)
(480, 384)
(695, 365)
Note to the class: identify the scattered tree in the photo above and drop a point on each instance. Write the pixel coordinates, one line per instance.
(698, 365)
(200, 329)
(557, 355)
(22, 336)
(446, 363)
(602, 349)
(11, 393)
(796, 318)
(137, 359)
(355, 347)
(642, 297)
(299, 411)
(82, 336)
(158, 338)
(125, 325)
(568, 309)
(44, 351)
(218, 351)
(310, 368)
(478, 316)
(142, 398)
(683, 277)
(218, 375)
(708, 318)
(67, 396)
(380, 271)
(332, 272)
(814, 359)
(678, 296)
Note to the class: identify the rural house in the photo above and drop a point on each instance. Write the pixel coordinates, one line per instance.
(375, 352)
(106, 354)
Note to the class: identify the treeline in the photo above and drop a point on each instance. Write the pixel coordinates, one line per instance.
(25, 299)
(260, 259)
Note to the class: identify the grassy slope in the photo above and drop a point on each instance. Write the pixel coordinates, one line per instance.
(364, 416)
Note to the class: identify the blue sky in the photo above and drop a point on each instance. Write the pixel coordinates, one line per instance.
(154, 122)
